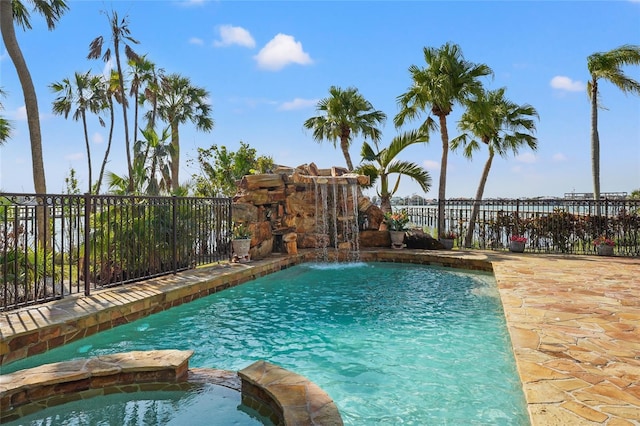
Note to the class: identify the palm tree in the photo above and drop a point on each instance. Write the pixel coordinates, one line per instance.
(109, 92)
(345, 114)
(448, 79)
(85, 93)
(156, 164)
(5, 125)
(144, 79)
(607, 66)
(179, 101)
(119, 33)
(382, 162)
(500, 125)
(14, 10)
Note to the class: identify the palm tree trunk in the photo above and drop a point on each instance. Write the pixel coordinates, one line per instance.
(476, 203)
(31, 104)
(124, 114)
(175, 155)
(86, 142)
(595, 145)
(106, 152)
(442, 186)
(344, 145)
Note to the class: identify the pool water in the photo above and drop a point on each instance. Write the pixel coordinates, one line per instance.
(390, 343)
(177, 408)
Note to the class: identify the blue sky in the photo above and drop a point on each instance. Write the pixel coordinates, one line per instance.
(266, 64)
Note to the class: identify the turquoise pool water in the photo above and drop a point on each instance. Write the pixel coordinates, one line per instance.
(167, 408)
(390, 343)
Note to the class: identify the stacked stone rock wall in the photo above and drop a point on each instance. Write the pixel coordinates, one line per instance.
(280, 209)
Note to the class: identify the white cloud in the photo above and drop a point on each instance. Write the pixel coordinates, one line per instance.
(74, 156)
(559, 157)
(431, 165)
(561, 82)
(196, 40)
(297, 103)
(97, 138)
(281, 51)
(21, 113)
(528, 158)
(230, 35)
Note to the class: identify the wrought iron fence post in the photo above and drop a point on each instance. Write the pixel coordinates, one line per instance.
(87, 242)
(174, 204)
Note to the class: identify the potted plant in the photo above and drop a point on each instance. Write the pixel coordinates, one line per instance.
(604, 246)
(517, 243)
(396, 224)
(447, 239)
(241, 242)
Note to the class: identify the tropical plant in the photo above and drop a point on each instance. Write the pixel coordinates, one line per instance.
(221, 169)
(603, 241)
(449, 235)
(608, 66)
(499, 124)
(383, 163)
(84, 93)
(396, 221)
(178, 101)
(344, 115)
(241, 231)
(120, 33)
(446, 80)
(5, 125)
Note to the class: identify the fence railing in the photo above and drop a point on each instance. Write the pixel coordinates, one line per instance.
(96, 241)
(550, 225)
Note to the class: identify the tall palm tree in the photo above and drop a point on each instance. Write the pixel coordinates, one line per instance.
(154, 152)
(84, 93)
(500, 125)
(120, 33)
(5, 125)
(179, 101)
(109, 92)
(380, 163)
(345, 114)
(608, 66)
(15, 11)
(144, 79)
(446, 80)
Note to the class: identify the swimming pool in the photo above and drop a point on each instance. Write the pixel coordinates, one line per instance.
(390, 343)
(194, 407)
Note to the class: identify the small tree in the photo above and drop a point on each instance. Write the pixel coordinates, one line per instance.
(221, 169)
(383, 163)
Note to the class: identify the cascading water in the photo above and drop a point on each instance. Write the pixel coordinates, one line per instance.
(336, 203)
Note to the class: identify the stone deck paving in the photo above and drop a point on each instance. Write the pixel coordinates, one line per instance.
(574, 323)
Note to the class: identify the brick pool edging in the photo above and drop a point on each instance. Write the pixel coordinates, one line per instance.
(36, 329)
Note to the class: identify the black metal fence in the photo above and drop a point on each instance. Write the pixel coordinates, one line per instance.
(96, 241)
(549, 225)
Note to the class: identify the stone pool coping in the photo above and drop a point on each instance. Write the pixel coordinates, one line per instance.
(284, 397)
(574, 322)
